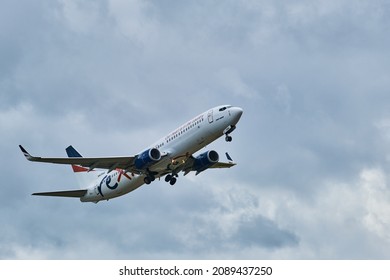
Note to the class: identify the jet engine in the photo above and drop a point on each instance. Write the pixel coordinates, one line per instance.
(147, 158)
(205, 160)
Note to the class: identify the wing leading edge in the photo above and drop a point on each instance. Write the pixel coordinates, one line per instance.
(191, 166)
(110, 163)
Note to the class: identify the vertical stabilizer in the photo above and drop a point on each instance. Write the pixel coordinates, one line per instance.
(84, 175)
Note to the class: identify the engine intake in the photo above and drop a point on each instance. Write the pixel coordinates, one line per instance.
(205, 160)
(147, 158)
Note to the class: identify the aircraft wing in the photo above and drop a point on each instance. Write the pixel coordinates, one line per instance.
(126, 163)
(191, 166)
(223, 165)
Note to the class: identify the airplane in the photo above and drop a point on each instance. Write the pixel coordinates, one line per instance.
(167, 157)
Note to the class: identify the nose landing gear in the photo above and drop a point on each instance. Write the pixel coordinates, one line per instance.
(227, 132)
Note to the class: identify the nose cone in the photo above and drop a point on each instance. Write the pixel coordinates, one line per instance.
(236, 113)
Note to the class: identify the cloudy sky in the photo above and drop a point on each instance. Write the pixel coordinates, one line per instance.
(112, 76)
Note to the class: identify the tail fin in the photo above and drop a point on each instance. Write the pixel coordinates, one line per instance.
(83, 174)
(72, 152)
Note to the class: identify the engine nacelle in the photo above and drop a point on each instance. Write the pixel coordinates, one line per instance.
(205, 160)
(147, 158)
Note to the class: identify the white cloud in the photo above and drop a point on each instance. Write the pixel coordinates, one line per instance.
(311, 179)
(283, 98)
(136, 20)
(232, 82)
(14, 118)
(80, 16)
(331, 223)
(376, 195)
(337, 220)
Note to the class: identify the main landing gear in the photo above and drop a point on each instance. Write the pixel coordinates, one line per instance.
(171, 179)
(150, 177)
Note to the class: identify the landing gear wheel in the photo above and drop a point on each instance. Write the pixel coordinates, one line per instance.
(147, 180)
(168, 178)
(172, 181)
(228, 138)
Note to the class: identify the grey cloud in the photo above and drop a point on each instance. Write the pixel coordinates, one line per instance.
(264, 233)
(106, 76)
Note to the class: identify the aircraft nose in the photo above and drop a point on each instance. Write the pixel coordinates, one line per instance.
(239, 111)
(236, 112)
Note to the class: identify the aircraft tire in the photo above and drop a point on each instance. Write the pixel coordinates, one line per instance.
(147, 180)
(172, 181)
(168, 178)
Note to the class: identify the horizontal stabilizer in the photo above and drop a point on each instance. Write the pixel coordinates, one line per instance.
(76, 193)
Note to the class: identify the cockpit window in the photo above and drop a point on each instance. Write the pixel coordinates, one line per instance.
(224, 108)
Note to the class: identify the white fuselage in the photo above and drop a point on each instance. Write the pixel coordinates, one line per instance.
(176, 146)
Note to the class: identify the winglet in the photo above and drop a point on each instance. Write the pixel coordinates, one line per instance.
(228, 157)
(25, 153)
